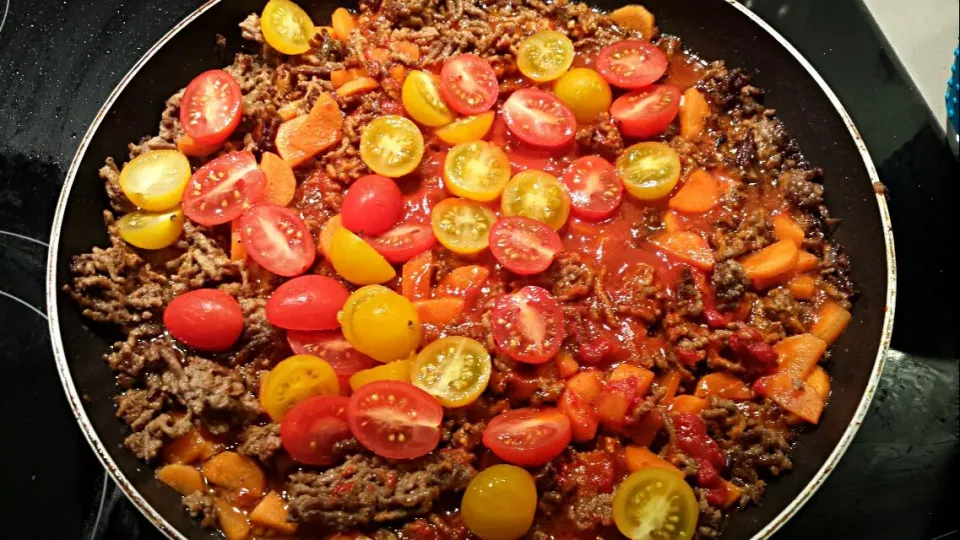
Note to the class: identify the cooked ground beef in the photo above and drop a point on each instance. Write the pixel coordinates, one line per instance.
(601, 137)
(211, 391)
(261, 442)
(729, 282)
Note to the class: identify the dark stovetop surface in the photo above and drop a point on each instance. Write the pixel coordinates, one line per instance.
(60, 60)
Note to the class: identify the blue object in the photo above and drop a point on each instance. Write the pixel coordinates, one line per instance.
(953, 115)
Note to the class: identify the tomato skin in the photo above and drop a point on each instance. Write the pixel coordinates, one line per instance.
(631, 64)
(462, 225)
(585, 92)
(413, 435)
(151, 230)
(286, 27)
(528, 437)
(529, 129)
(372, 205)
(403, 242)
(524, 246)
(296, 379)
(545, 56)
(307, 303)
(262, 223)
(211, 196)
(650, 499)
(468, 84)
(649, 170)
(647, 113)
(205, 319)
(392, 146)
(331, 346)
(595, 190)
(312, 427)
(528, 325)
(211, 107)
(500, 503)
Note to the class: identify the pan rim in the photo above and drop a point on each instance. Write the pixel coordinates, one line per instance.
(99, 448)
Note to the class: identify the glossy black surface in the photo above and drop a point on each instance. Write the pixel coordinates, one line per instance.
(59, 61)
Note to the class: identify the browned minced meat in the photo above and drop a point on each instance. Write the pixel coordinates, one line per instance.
(729, 282)
(601, 137)
(261, 442)
(369, 489)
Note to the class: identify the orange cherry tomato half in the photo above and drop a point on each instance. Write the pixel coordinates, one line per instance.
(313, 427)
(277, 239)
(595, 190)
(211, 107)
(468, 84)
(528, 325)
(220, 190)
(631, 64)
(307, 303)
(205, 319)
(538, 118)
(395, 419)
(647, 113)
(524, 246)
(331, 346)
(528, 437)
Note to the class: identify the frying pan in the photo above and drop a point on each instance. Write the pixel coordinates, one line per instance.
(715, 29)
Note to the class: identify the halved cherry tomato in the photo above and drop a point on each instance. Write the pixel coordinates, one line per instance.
(528, 437)
(595, 190)
(205, 319)
(649, 170)
(312, 427)
(469, 84)
(395, 420)
(403, 242)
(524, 246)
(500, 503)
(398, 370)
(528, 325)
(277, 239)
(655, 503)
(220, 190)
(381, 323)
(286, 27)
(357, 261)
(422, 101)
(476, 170)
(326, 234)
(372, 205)
(455, 370)
(536, 195)
(155, 180)
(461, 225)
(331, 346)
(631, 64)
(545, 56)
(391, 146)
(151, 230)
(585, 92)
(307, 303)
(538, 118)
(211, 107)
(294, 380)
(647, 113)
(471, 128)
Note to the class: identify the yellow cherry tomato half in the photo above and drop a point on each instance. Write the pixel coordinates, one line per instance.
(471, 128)
(585, 92)
(500, 503)
(421, 99)
(391, 146)
(461, 225)
(151, 230)
(537, 195)
(356, 261)
(455, 370)
(655, 503)
(286, 27)
(155, 180)
(380, 323)
(545, 56)
(649, 170)
(294, 380)
(476, 170)
(394, 371)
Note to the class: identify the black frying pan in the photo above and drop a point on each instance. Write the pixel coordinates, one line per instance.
(715, 29)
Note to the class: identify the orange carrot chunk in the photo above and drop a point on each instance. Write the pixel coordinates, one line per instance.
(785, 228)
(186, 479)
(699, 193)
(326, 234)
(723, 385)
(235, 472)
(439, 311)
(799, 399)
(281, 184)
(233, 523)
(687, 246)
(802, 287)
(567, 366)
(819, 381)
(343, 23)
(806, 261)
(577, 403)
(693, 114)
(771, 261)
(688, 404)
(416, 275)
(635, 17)
(832, 320)
(639, 457)
(799, 354)
(357, 86)
(189, 448)
(300, 139)
(272, 514)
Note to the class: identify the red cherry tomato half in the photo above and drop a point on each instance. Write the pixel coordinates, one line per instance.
(312, 427)
(403, 242)
(211, 107)
(631, 64)
(205, 319)
(469, 84)
(332, 347)
(395, 419)
(538, 118)
(528, 437)
(220, 190)
(528, 325)
(277, 239)
(372, 205)
(647, 113)
(595, 189)
(307, 303)
(524, 246)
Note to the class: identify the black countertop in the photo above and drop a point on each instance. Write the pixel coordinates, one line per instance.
(59, 61)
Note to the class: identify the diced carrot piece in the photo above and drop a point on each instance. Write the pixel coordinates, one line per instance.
(281, 184)
(819, 381)
(343, 23)
(300, 139)
(466, 282)
(189, 448)
(186, 479)
(785, 228)
(734, 492)
(192, 148)
(357, 86)
(771, 261)
(235, 472)
(416, 275)
(669, 382)
(272, 514)
(398, 73)
(806, 261)
(799, 354)
(567, 366)
(646, 429)
(699, 193)
(693, 114)
(439, 311)
(339, 77)
(635, 17)
(641, 457)
(802, 287)
(611, 409)
(688, 404)
(233, 523)
(577, 403)
(687, 246)
(801, 400)
(832, 320)
(289, 111)
(326, 234)
(406, 48)
(238, 251)
(672, 222)
(723, 385)
(642, 378)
